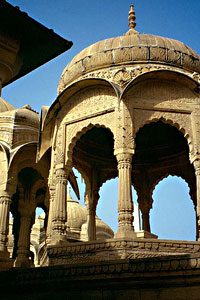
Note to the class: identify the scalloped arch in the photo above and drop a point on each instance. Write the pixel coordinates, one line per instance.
(171, 122)
(174, 174)
(79, 133)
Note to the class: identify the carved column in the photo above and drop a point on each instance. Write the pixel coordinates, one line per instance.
(5, 201)
(91, 199)
(50, 215)
(197, 172)
(60, 206)
(23, 251)
(125, 203)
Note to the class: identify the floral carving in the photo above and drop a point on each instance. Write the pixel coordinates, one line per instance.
(122, 77)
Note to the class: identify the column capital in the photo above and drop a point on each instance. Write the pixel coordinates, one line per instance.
(124, 151)
(5, 197)
(196, 164)
(124, 160)
(61, 175)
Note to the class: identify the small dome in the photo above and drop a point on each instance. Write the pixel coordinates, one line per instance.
(103, 231)
(129, 49)
(22, 114)
(5, 106)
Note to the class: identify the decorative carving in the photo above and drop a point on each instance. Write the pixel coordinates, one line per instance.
(91, 252)
(122, 77)
(123, 127)
(88, 103)
(137, 70)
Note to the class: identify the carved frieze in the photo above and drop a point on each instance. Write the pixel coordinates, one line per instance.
(88, 102)
(163, 95)
(123, 75)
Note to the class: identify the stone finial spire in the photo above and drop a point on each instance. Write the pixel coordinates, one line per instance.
(131, 18)
(132, 24)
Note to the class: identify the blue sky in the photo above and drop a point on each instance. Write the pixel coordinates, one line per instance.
(86, 22)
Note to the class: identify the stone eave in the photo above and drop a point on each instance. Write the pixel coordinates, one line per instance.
(38, 44)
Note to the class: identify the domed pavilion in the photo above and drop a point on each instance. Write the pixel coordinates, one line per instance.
(127, 107)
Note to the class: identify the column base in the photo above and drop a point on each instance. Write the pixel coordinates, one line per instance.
(22, 262)
(125, 233)
(145, 234)
(57, 240)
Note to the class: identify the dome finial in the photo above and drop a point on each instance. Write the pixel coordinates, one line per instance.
(131, 18)
(132, 24)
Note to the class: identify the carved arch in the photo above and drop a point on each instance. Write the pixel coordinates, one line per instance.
(165, 118)
(183, 77)
(25, 156)
(173, 173)
(4, 160)
(79, 132)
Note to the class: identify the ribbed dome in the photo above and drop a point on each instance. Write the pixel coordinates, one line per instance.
(5, 106)
(131, 48)
(24, 113)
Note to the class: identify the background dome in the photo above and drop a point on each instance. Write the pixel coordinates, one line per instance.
(5, 106)
(132, 48)
(26, 114)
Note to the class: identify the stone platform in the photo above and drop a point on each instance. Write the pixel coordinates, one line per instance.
(174, 277)
(114, 249)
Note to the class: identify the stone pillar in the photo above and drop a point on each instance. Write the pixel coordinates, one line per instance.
(125, 203)
(197, 172)
(23, 246)
(91, 199)
(50, 215)
(5, 201)
(91, 224)
(145, 218)
(60, 205)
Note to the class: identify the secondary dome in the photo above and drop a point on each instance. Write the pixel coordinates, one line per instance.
(131, 48)
(5, 106)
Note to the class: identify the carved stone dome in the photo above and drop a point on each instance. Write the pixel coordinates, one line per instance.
(130, 49)
(24, 114)
(5, 106)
